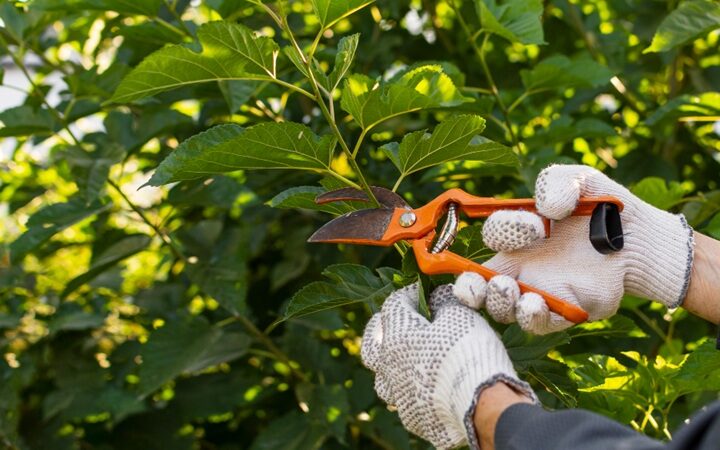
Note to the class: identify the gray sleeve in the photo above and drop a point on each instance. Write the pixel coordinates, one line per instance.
(526, 426)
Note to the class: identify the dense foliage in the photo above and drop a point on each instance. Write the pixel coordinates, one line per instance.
(191, 313)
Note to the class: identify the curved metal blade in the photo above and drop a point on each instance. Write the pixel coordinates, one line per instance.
(386, 197)
(358, 227)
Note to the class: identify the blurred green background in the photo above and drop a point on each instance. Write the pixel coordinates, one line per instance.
(158, 318)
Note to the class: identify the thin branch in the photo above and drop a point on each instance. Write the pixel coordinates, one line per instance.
(38, 93)
(480, 52)
(161, 234)
(172, 8)
(331, 121)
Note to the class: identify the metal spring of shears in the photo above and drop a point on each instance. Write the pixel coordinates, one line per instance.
(449, 230)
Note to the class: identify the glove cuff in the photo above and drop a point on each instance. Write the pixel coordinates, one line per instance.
(483, 363)
(469, 422)
(661, 250)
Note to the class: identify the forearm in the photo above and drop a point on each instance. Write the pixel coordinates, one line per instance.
(703, 297)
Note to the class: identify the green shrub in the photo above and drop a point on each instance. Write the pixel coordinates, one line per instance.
(193, 314)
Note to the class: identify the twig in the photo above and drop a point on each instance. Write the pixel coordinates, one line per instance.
(480, 52)
(326, 113)
(38, 93)
(161, 234)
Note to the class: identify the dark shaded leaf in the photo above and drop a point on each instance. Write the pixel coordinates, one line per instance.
(561, 72)
(350, 283)
(50, 220)
(115, 253)
(186, 346)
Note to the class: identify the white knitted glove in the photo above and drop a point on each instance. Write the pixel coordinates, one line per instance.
(433, 372)
(655, 262)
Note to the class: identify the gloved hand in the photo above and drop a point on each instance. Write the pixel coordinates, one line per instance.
(655, 262)
(433, 372)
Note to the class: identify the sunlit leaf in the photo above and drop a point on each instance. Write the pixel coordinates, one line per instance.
(229, 52)
(343, 60)
(225, 148)
(371, 102)
(659, 193)
(702, 105)
(330, 11)
(701, 369)
(453, 139)
(514, 20)
(691, 20)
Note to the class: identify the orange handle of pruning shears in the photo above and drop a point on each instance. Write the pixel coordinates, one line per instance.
(449, 262)
(474, 207)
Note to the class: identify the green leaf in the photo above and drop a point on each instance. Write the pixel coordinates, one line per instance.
(293, 431)
(713, 227)
(469, 244)
(702, 105)
(115, 253)
(25, 120)
(691, 20)
(51, 220)
(701, 369)
(561, 72)
(303, 197)
(91, 169)
(133, 131)
(514, 20)
(328, 407)
(371, 103)
(229, 52)
(239, 92)
(144, 7)
(221, 271)
(224, 148)
(350, 283)
(329, 12)
(658, 193)
(565, 129)
(453, 139)
(343, 60)
(615, 326)
(186, 346)
(524, 348)
(74, 319)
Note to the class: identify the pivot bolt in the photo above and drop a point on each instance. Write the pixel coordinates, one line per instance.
(407, 219)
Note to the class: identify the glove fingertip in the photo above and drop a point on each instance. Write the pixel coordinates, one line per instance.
(503, 293)
(534, 316)
(470, 289)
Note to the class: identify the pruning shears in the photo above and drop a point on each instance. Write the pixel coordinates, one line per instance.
(395, 220)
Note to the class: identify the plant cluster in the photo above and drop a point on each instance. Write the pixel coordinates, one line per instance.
(157, 185)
